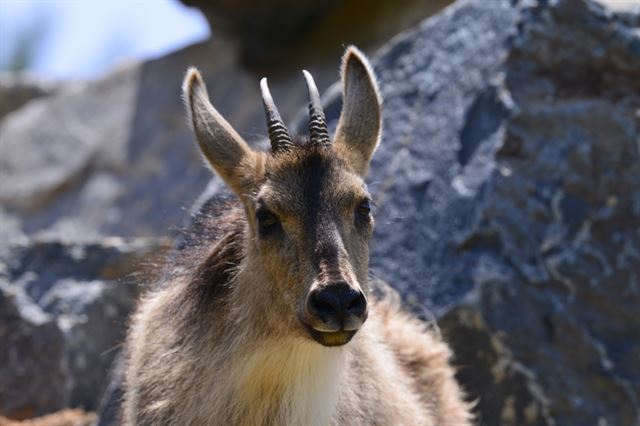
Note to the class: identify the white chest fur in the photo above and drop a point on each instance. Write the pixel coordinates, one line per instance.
(290, 382)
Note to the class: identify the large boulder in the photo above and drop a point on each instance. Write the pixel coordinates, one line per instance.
(508, 185)
(32, 368)
(64, 307)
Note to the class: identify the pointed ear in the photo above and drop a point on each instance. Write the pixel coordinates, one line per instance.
(220, 144)
(360, 125)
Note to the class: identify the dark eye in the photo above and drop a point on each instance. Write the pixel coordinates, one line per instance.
(267, 221)
(364, 208)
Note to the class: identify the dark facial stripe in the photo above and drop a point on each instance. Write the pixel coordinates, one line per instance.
(320, 219)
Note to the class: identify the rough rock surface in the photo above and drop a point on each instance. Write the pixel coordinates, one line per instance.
(63, 312)
(32, 371)
(508, 185)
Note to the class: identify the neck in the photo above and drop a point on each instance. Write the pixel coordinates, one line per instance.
(288, 381)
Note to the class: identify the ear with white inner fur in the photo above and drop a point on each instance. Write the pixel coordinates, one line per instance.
(220, 144)
(360, 125)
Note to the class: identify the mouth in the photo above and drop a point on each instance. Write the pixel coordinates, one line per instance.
(331, 338)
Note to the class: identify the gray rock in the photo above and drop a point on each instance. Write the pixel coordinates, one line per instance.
(17, 90)
(93, 316)
(506, 391)
(109, 408)
(508, 185)
(63, 314)
(32, 368)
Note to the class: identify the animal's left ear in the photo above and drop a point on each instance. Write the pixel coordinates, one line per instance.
(360, 125)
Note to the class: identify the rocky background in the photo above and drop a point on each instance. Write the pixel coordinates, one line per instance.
(507, 184)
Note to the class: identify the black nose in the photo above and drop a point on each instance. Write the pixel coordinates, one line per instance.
(337, 301)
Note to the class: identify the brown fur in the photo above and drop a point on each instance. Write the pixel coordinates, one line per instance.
(226, 337)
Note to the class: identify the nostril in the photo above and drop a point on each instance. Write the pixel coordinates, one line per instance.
(322, 304)
(358, 305)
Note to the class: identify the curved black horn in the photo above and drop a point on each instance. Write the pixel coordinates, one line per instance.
(278, 133)
(318, 132)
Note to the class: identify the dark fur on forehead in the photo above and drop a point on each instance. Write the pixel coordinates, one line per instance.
(306, 157)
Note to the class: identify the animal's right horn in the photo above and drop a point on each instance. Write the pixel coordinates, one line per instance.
(278, 133)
